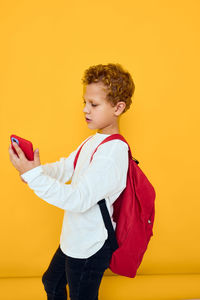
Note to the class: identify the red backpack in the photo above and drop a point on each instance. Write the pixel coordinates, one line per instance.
(133, 213)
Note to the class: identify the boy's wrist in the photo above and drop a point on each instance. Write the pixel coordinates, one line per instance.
(32, 173)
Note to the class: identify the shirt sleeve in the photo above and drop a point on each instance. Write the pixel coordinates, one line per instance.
(63, 169)
(103, 177)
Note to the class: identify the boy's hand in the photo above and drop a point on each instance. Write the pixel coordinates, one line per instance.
(21, 163)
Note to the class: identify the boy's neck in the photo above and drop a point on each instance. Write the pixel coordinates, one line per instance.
(110, 132)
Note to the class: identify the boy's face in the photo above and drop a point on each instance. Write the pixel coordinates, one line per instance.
(102, 115)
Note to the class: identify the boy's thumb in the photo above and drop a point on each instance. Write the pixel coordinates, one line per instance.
(36, 155)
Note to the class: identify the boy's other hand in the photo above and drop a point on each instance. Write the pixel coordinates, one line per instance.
(21, 163)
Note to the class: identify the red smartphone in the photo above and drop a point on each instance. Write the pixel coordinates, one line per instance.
(25, 145)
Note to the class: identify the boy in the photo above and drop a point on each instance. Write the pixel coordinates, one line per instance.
(84, 251)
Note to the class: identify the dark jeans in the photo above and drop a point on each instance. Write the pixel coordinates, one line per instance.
(83, 275)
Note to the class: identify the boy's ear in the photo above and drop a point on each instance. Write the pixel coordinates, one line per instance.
(120, 106)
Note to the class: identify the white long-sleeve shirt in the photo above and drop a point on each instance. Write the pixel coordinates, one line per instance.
(83, 230)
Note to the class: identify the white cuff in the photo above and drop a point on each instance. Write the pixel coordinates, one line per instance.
(33, 173)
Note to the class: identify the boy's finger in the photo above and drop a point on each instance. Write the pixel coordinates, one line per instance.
(12, 156)
(10, 149)
(11, 152)
(18, 150)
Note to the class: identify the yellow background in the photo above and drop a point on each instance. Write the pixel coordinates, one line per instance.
(45, 48)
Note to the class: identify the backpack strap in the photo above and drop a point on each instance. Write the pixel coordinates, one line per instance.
(109, 138)
(113, 137)
(116, 136)
(77, 154)
(108, 224)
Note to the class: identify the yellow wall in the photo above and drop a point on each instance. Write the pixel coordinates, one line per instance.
(45, 48)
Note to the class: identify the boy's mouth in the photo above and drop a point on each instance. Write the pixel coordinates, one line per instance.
(88, 119)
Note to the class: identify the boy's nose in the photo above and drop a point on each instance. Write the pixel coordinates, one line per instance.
(86, 110)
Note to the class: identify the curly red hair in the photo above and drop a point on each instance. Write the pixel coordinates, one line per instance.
(119, 83)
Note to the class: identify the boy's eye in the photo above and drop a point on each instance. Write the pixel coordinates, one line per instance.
(92, 104)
